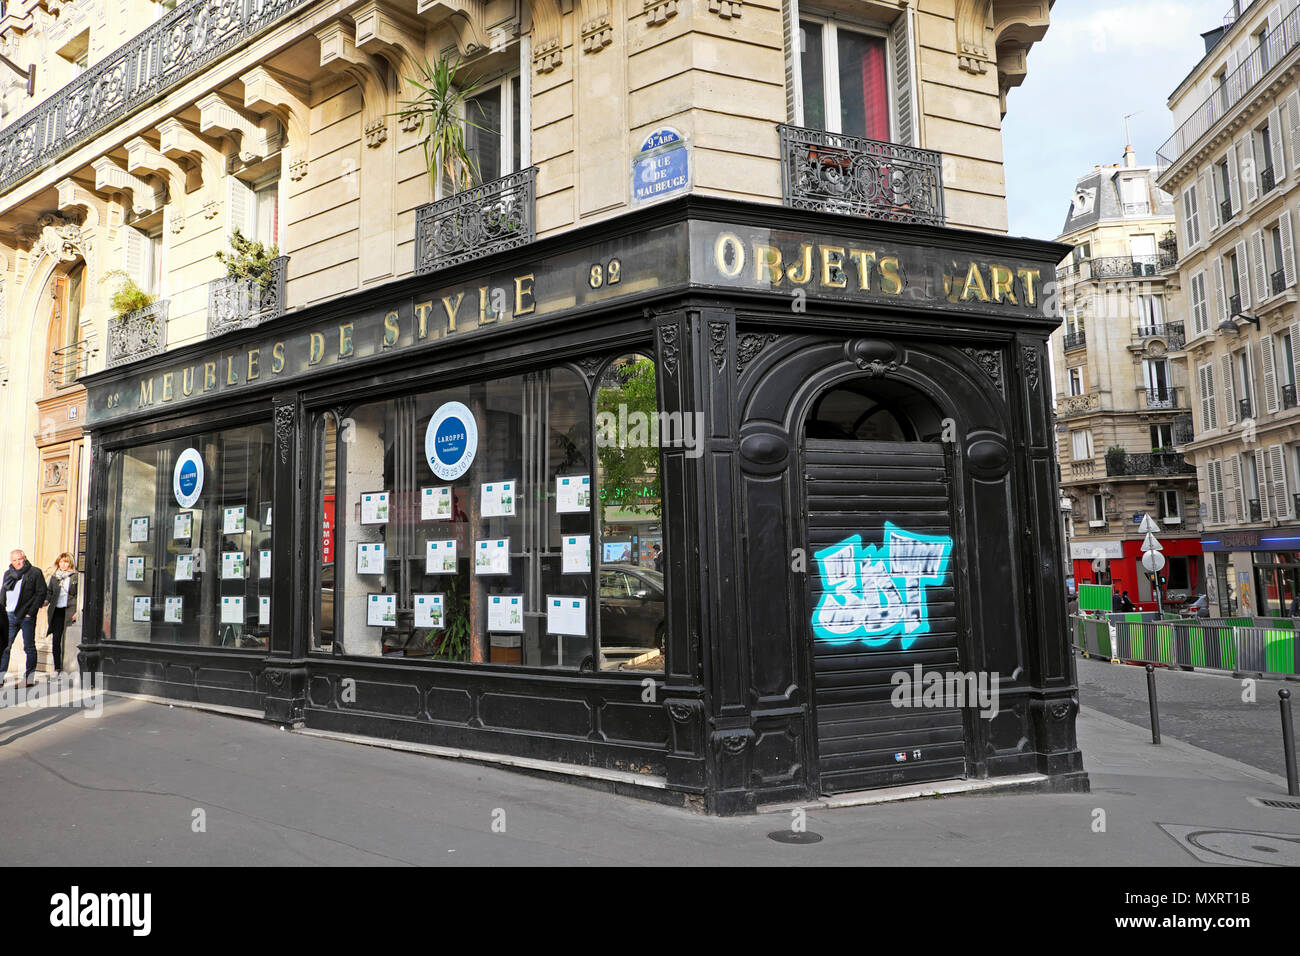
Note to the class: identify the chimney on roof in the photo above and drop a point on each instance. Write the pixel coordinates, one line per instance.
(1130, 157)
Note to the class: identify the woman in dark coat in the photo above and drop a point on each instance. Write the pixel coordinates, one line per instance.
(62, 598)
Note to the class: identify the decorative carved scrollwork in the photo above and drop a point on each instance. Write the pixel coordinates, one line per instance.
(989, 362)
(718, 343)
(1031, 365)
(750, 344)
(668, 347)
(283, 430)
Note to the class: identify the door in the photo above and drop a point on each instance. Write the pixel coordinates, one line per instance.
(883, 603)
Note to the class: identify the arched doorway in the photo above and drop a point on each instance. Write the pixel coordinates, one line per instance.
(882, 595)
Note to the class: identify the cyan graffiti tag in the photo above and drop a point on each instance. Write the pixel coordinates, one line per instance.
(877, 593)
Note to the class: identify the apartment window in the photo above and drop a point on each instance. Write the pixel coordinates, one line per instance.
(1143, 250)
(1223, 180)
(1134, 196)
(1157, 379)
(1162, 436)
(1097, 511)
(492, 128)
(143, 257)
(255, 208)
(1233, 278)
(1259, 40)
(1082, 251)
(845, 71)
(1250, 487)
(1151, 312)
(1081, 442)
(77, 52)
(1076, 380)
(1169, 506)
(1244, 382)
(1264, 152)
(1191, 216)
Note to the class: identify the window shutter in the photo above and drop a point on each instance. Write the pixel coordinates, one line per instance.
(1248, 386)
(1220, 290)
(904, 81)
(1261, 476)
(1249, 169)
(1288, 249)
(1243, 273)
(1282, 504)
(1275, 143)
(133, 253)
(1270, 375)
(1216, 492)
(239, 202)
(1211, 205)
(1293, 121)
(793, 64)
(1233, 491)
(1206, 375)
(1234, 183)
(1200, 312)
(1261, 266)
(1229, 402)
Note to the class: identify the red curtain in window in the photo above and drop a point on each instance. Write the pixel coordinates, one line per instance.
(875, 91)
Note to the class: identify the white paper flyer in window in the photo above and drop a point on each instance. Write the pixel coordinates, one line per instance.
(374, 507)
(435, 504)
(232, 609)
(370, 558)
(135, 569)
(492, 557)
(506, 612)
(381, 610)
(572, 493)
(440, 557)
(184, 567)
(264, 611)
(428, 610)
(264, 563)
(233, 522)
(232, 564)
(498, 499)
(266, 522)
(139, 530)
(577, 554)
(566, 615)
(140, 609)
(183, 526)
(173, 610)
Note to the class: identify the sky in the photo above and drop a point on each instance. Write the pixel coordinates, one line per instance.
(1100, 60)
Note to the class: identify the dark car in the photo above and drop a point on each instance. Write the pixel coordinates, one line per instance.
(631, 607)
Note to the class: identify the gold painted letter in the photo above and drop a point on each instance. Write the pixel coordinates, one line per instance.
(522, 290)
(277, 357)
(422, 318)
(390, 330)
(833, 267)
(800, 272)
(345, 339)
(729, 254)
(452, 306)
(767, 264)
(317, 348)
(891, 277)
(973, 288)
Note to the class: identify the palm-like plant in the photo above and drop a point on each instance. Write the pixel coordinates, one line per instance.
(440, 107)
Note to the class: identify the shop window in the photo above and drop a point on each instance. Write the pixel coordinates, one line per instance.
(190, 540)
(462, 525)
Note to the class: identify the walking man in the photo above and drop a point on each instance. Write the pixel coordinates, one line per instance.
(24, 590)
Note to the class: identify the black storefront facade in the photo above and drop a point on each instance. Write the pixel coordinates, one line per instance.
(853, 476)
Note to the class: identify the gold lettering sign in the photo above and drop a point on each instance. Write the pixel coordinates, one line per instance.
(390, 330)
(316, 348)
(524, 287)
(146, 392)
(209, 376)
(422, 310)
(167, 380)
(277, 357)
(345, 340)
(254, 367)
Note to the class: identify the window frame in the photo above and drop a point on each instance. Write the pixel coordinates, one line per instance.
(831, 23)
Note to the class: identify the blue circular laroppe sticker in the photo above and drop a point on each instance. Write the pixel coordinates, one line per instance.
(187, 478)
(451, 441)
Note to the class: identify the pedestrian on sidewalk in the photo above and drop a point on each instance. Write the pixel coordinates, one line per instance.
(1126, 602)
(1116, 602)
(24, 591)
(62, 598)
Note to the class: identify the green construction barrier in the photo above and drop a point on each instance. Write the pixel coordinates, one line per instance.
(1094, 597)
(1165, 644)
(1196, 644)
(1227, 651)
(1280, 651)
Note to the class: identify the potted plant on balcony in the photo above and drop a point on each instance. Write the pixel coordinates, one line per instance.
(249, 260)
(1116, 456)
(439, 108)
(129, 297)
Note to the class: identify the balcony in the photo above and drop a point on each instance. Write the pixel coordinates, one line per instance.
(1075, 340)
(490, 218)
(1288, 396)
(1098, 527)
(1275, 46)
(69, 363)
(1137, 209)
(1073, 405)
(1129, 267)
(1082, 469)
(1243, 409)
(1252, 505)
(1172, 332)
(1225, 211)
(1162, 398)
(177, 46)
(1183, 429)
(1149, 463)
(236, 303)
(833, 172)
(1266, 180)
(137, 335)
(1234, 305)
(1277, 282)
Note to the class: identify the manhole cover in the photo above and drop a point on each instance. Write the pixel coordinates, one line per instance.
(1275, 804)
(1236, 847)
(789, 836)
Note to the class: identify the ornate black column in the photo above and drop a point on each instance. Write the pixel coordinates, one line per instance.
(285, 674)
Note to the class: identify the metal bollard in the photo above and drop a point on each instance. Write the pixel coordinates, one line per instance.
(1288, 741)
(1151, 696)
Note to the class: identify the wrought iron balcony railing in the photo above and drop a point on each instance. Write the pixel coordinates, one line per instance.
(1266, 180)
(1183, 428)
(69, 363)
(1125, 267)
(1148, 463)
(1243, 409)
(177, 46)
(137, 335)
(1234, 305)
(1288, 396)
(1279, 42)
(834, 172)
(1137, 209)
(1171, 332)
(236, 303)
(1162, 398)
(1225, 211)
(1252, 505)
(1075, 340)
(1277, 282)
(478, 222)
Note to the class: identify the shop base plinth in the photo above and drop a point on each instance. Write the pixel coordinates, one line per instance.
(1020, 783)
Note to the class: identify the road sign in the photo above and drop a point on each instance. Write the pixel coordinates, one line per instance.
(1153, 561)
(1149, 543)
(1148, 526)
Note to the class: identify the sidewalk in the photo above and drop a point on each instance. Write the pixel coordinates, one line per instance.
(124, 789)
